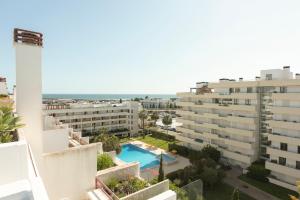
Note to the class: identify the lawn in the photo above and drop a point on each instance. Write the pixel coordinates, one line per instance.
(223, 191)
(275, 190)
(163, 144)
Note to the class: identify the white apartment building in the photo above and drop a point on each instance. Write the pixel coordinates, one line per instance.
(3, 86)
(89, 118)
(158, 103)
(247, 121)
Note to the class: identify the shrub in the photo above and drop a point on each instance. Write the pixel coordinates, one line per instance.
(258, 172)
(181, 150)
(211, 152)
(109, 142)
(209, 176)
(104, 161)
(161, 135)
(127, 186)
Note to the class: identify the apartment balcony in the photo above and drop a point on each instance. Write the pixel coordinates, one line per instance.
(285, 110)
(281, 153)
(238, 119)
(185, 121)
(284, 124)
(239, 144)
(286, 139)
(240, 132)
(286, 96)
(286, 170)
(186, 130)
(236, 156)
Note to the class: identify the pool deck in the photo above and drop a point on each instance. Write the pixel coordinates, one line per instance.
(150, 173)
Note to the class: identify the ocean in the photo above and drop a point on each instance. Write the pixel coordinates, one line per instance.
(106, 96)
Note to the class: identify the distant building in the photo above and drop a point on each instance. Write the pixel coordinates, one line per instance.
(3, 86)
(158, 103)
(247, 121)
(89, 118)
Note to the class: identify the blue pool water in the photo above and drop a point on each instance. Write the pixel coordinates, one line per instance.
(132, 153)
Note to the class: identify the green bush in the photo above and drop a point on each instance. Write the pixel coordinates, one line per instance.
(104, 161)
(211, 152)
(109, 142)
(125, 187)
(258, 172)
(161, 135)
(181, 150)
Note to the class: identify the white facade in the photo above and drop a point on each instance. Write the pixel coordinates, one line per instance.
(157, 103)
(90, 118)
(248, 120)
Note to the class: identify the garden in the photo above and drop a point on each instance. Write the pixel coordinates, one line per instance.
(125, 187)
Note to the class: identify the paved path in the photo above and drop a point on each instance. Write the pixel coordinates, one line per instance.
(233, 180)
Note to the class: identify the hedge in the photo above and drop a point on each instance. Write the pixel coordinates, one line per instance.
(161, 135)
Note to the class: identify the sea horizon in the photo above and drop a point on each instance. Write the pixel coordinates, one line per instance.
(106, 96)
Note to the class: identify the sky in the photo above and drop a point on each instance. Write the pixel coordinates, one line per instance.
(151, 46)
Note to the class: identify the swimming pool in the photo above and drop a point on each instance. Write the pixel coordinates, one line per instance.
(132, 153)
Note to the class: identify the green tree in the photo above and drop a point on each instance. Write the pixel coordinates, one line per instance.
(8, 124)
(236, 194)
(104, 161)
(258, 172)
(167, 121)
(109, 142)
(161, 174)
(211, 152)
(209, 177)
(154, 117)
(143, 115)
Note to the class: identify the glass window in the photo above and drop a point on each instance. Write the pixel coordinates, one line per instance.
(298, 149)
(249, 89)
(268, 76)
(283, 146)
(282, 161)
(297, 164)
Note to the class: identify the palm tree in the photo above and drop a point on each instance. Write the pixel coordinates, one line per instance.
(8, 124)
(143, 115)
(154, 117)
(167, 121)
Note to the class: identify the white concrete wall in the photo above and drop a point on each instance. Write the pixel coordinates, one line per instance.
(149, 192)
(56, 140)
(168, 195)
(119, 172)
(71, 173)
(13, 165)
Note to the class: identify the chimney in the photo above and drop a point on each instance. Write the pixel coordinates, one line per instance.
(240, 79)
(257, 78)
(28, 47)
(297, 76)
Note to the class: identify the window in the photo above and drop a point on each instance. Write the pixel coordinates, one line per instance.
(298, 149)
(230, 90)
(249, 89)
(297, 164)
(283, 90)
(268, 76)
(235, 101)
(282, 161)
(248, 102)
(283, 146)
(237, 90)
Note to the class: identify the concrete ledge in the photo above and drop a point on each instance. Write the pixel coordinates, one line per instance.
(283, 184)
